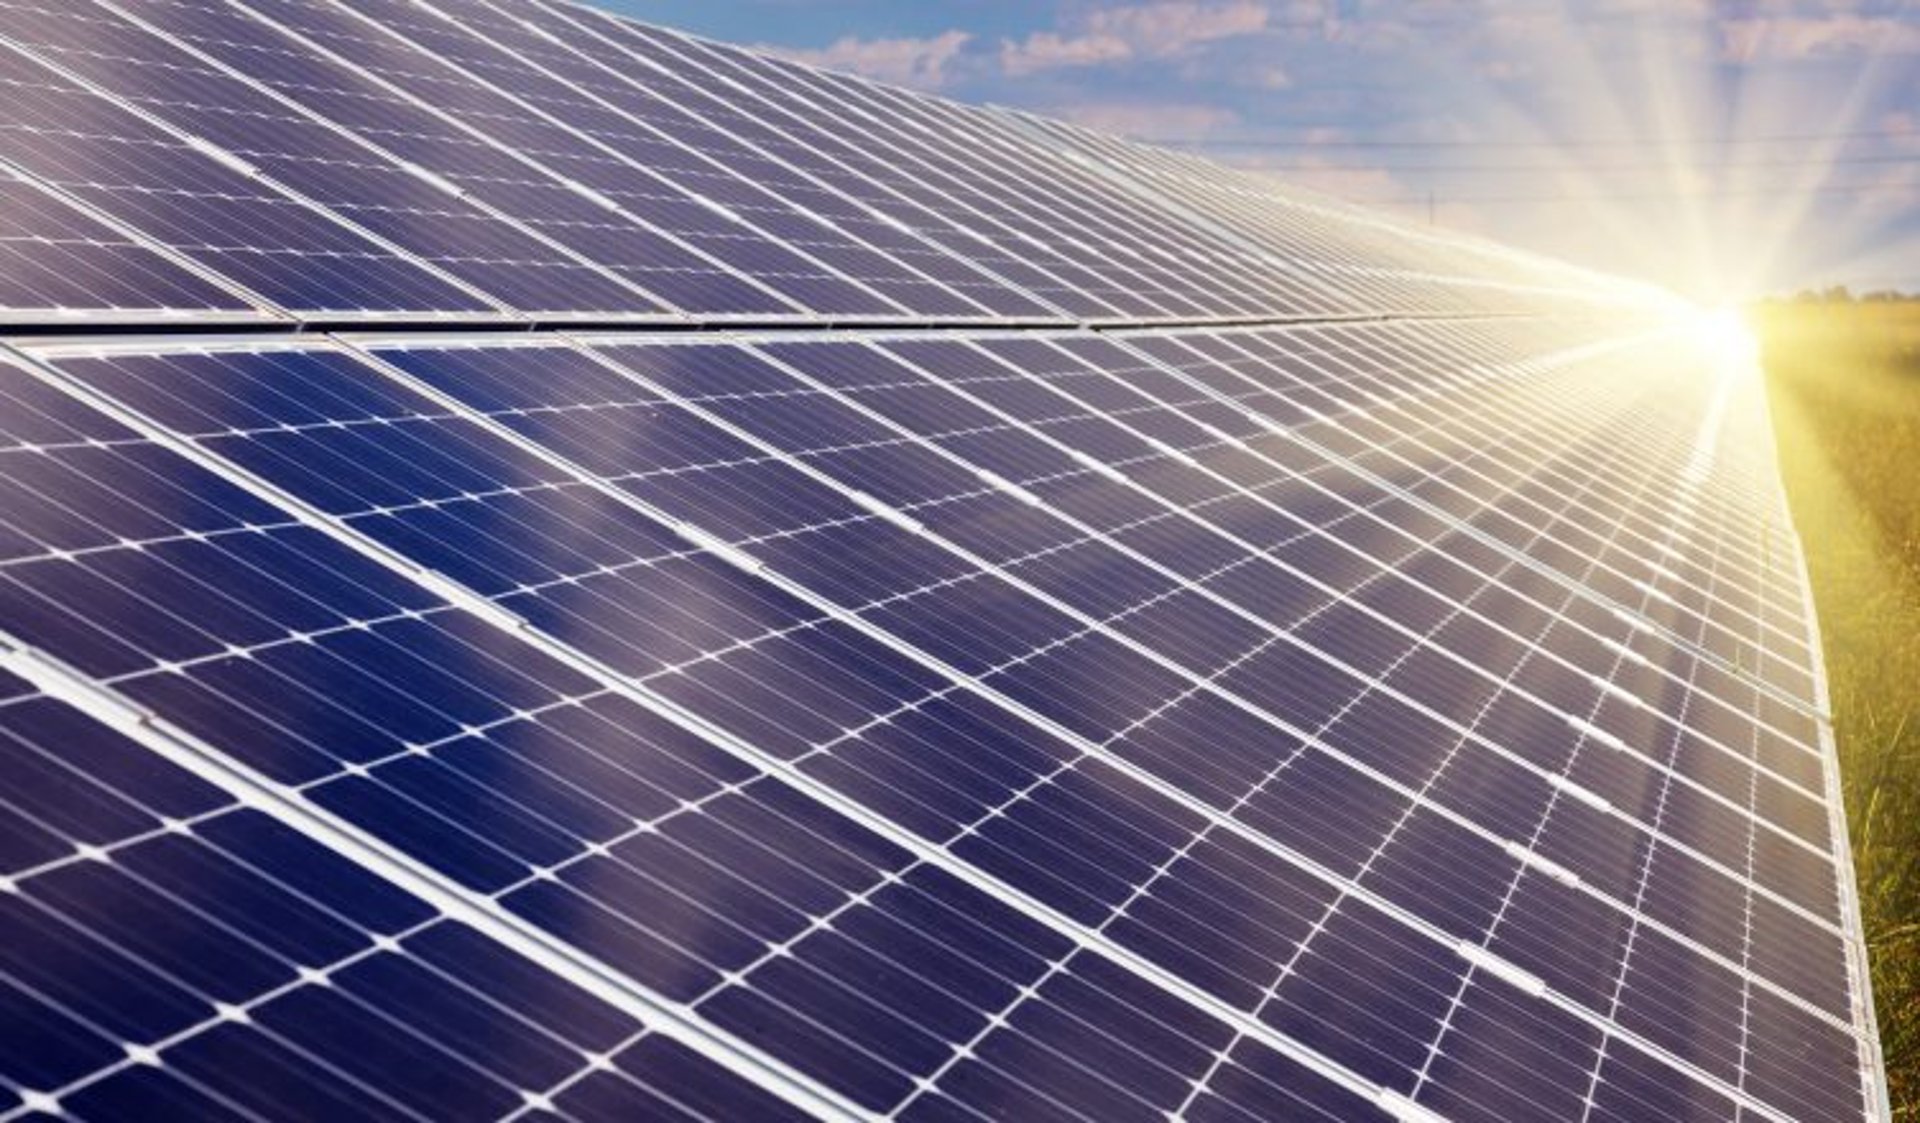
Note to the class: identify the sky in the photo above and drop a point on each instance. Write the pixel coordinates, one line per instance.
(1725, 148)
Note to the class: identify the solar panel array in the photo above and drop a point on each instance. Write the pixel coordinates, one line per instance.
(1080, 633)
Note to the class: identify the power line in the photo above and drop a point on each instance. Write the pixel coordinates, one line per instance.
(1303, 143)
(1637, 166)
(1662, 196)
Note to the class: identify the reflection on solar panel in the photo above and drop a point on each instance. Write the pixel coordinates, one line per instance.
(1098, 637)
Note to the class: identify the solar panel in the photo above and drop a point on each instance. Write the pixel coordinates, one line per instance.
(1096, 637)
(171, 948)
(468, 158)
(62, 261)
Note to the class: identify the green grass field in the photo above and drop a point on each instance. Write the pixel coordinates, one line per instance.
(1844, 384)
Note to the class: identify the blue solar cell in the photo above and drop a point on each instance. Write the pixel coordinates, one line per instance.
(1054, 845)
(826, 243)
(60, 260)
(246, 967)
(185, 200)
(676, 908)
(1224, 723)
(375, 192)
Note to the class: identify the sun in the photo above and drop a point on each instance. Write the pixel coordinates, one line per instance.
(1722, 333)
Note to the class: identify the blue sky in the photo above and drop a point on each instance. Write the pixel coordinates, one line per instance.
(1709, 144)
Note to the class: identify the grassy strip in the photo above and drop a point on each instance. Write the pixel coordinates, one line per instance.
(1844, 388)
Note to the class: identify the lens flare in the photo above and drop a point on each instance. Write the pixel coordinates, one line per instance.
(1723, 336)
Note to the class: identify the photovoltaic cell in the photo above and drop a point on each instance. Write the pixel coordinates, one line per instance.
(171, 949)
(184, 198)
(60, 261)
(457, 492)
(1059, 231)
(542, 161)
(837, 256)
(337, 163)
(1370, 676)
(728, 860)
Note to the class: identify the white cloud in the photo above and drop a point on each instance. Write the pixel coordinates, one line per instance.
(924, 63)
(1047, 50)
(1755, 39)
(1158, 30)
(1172, 26)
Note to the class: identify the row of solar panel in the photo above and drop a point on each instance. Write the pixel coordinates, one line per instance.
(1372, 245)
(1249, 723)
(473, 158)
